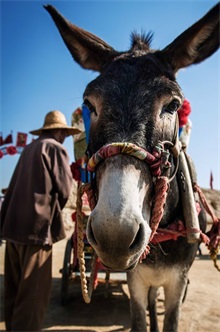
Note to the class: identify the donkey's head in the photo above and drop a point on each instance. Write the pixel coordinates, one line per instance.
(133, 100)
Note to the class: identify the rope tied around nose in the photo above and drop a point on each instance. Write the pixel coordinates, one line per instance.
(157, 160)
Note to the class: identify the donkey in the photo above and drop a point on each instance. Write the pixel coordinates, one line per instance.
(133, 107)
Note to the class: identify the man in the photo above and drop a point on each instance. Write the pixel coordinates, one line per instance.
(31, 222)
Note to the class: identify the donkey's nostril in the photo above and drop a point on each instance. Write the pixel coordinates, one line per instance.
(138, 239)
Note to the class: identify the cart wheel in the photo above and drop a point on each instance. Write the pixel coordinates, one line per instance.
(66, 271)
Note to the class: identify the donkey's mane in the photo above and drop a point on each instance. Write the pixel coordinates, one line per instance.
(141, 41)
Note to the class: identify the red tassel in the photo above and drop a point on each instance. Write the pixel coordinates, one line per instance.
(184, 112)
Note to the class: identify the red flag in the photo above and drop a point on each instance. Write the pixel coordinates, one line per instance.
(21, 140)
(8, 139)
(211, 181)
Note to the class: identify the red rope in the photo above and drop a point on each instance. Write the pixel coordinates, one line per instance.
(161, 188)
(166, 234)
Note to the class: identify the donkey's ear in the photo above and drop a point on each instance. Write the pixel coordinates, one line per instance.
(87, 49)
(195, 44)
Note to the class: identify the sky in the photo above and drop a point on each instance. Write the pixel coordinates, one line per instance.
(38, 73)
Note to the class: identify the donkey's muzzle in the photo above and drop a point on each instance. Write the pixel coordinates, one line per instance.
(118, 243)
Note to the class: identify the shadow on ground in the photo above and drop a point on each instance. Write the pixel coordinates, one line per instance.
(108, 308)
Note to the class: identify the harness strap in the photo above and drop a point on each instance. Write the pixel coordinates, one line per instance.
(188, 199)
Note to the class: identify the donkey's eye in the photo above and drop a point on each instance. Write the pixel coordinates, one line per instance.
(171, 107)
(90, 107)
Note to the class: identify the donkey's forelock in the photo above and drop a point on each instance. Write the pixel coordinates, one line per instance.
(141, 41)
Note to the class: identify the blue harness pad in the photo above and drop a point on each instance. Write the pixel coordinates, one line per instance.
(86, 120)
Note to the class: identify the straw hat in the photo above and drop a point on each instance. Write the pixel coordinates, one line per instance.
(55, 120)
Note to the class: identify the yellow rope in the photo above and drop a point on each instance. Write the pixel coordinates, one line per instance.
(214, 256)
(86, 292)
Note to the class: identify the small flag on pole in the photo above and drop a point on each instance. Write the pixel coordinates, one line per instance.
(7, 140)
(21, 140)
(211, 180)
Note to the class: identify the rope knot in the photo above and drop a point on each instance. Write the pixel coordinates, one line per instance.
(161, 159)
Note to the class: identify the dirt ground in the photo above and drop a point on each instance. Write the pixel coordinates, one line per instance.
(109, 308)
